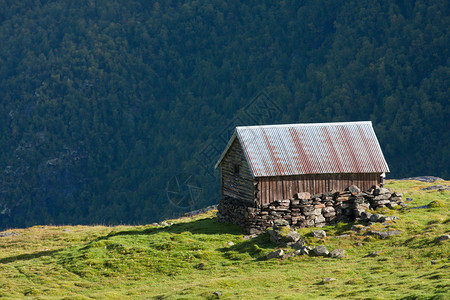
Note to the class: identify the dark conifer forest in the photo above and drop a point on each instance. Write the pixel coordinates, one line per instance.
(115, 112)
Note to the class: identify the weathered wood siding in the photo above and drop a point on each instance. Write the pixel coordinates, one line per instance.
(270, 189)
(236, 185)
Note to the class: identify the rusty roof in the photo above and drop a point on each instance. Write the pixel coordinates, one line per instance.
(317, 148)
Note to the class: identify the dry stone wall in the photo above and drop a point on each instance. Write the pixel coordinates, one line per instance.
(305, 210)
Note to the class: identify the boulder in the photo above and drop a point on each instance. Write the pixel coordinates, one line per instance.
(275, 254)
(320, 234)
(303, 196)
(337, 253)
(292, 237)
(385, 234)
(280, 223)
(375, 217)
(320, 251)
(353, 189)
(299, 244)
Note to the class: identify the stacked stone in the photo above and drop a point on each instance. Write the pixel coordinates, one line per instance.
(231, 210)
(304, 210)
(382, 197)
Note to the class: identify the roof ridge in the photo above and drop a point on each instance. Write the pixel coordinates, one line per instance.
(305, 124)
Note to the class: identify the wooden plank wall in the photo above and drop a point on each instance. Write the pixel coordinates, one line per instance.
(279, 188)
(234, 185)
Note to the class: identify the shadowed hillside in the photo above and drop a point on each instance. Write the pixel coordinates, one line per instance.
(105, 105)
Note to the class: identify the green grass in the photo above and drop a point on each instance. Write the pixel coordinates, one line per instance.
(191, 260)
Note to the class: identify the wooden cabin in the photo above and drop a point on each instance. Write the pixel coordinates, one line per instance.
(262, 164)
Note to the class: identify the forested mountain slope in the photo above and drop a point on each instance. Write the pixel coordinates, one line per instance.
(104, 104)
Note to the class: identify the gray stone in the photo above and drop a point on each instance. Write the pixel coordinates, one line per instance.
(388, 218)
(320, 219)
(289, 255)
(353, 189)
(385, 234)
(305, 251)
(436, 187)
(433, 262)
(303, 196)
(299, 244)
(382, 197)
(217, 294)
(341, 236)
(381, 191)
(328, 209)
(374, 254)
(230, 243)
(320, 234)
(6, 234)
(280, 223)
(292, 237)
(375, 217)
(442, 238)
(275, 254)
(163, 223)
(357, 228)
(320, 251)
(337, 253)
(249, 237)
(328, 279)
(298, 252)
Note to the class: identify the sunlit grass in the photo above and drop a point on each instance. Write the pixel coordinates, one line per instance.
(192, 259)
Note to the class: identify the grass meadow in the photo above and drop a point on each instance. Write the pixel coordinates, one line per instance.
(193, 258)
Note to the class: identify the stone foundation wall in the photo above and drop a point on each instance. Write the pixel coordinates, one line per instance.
(305, 210)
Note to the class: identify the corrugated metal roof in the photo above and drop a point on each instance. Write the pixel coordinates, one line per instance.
(319, 148)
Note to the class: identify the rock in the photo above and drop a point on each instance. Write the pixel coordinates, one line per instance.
(254, 231)
(230, 243)
(337, 253)
(5, 234)
(249, 237)
(353, 189)
(328, 279)
(275, 254)
(217, 294)
(388, 218)
(320, 219)
(299, 244)
(292, 237)
(433, 262)
(303, 196)
(374, 254)
(320, 234)
(305, 251)
(320, 251)
(289, 255)
(442, 238)
(341, 236)
(423, 178)
(163, 223)
(200, 266)
(298, 252)
(280, 223)
(385, 234)
(375, 217)
(381, 191)
(358, 228)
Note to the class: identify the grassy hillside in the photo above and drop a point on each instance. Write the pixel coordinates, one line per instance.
(193, 259)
